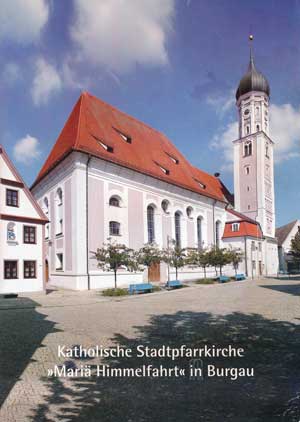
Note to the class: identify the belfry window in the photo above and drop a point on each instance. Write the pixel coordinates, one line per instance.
(248, 149)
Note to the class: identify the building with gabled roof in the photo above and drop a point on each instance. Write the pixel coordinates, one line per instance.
(111, 176)
(22, 222)
(285, 234)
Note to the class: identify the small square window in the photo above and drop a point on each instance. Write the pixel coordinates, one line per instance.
(29, 269)
(235, 227)
(12, 198)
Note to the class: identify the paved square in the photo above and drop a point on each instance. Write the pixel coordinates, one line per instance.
(260, 316)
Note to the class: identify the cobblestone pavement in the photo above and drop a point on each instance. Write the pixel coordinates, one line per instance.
(261, 316)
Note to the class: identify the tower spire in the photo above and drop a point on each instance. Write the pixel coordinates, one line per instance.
(251, 50)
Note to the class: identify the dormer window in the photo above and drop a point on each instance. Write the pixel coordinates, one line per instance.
(174, 159)
(163, 169)
(124, 136)
(202, 185)
(235, 227)
(106, 147)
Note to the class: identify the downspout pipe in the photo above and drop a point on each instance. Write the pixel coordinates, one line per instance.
(246, 257)
(87, 220)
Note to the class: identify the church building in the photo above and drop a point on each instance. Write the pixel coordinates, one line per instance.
(111, 176)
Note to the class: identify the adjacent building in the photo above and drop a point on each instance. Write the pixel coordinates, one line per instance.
(22, 224)
(112, 176)
(285, 234)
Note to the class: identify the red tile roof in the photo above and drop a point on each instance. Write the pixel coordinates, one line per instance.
(247, 226)
(96, 128)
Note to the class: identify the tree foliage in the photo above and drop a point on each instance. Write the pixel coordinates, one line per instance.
(175, 257)
(295, 246)
(113, 256)
(148, 255)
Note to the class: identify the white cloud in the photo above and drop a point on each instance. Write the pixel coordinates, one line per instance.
(22, 20)
(284, 131)
(46, 82)
(118, 34)
(26, 150)
(221, 103)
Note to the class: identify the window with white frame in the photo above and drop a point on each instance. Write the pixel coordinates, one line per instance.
(47, 214)
(235, 227)
(114, 201)
(150, 224)
(199, 233)
(114, 228)
(218, 233)
(59, 262)
(178, 229)
(59, 211)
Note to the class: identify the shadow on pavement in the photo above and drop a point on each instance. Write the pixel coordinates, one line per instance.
(21, 333)
(271, 347)
(292, 289)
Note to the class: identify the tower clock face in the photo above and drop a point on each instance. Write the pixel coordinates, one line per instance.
(246, 112)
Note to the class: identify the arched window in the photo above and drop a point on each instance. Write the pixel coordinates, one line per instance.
(150, 224)
(114, 201)
(47, 214)
(59, 211)
(218, 233)
(247, 129)
(178, 229)
(199, 232)
(114, 228)
(257, 128)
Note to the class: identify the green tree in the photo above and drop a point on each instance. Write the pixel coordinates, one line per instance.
(218, 258)
(236, 257)
(295, 247)
(175, 257)
(113, 256)
(198, 258)
(148, 255)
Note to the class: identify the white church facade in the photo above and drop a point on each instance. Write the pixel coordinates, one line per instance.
(112, 176)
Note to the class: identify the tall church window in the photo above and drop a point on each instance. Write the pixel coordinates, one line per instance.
(257, 128)
(267, 151)
(59, 211)
(218, 232)
(47, 214)
(247, 129)
(199, 232)
(150, 224)
(178, 229)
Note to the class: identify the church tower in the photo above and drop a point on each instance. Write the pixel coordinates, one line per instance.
(253, 151)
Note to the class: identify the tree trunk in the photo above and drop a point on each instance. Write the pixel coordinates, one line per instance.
(235, 270)
(204, 268)
(115, 271)
(176, 269)
(220, 270)
(216, 271)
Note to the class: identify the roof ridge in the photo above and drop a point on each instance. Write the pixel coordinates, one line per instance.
(125, 114)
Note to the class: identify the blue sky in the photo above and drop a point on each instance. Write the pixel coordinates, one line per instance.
(174, 64)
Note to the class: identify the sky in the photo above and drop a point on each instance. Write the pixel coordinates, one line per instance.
(174, 64)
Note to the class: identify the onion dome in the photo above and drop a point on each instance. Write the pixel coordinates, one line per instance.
(253, 80)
